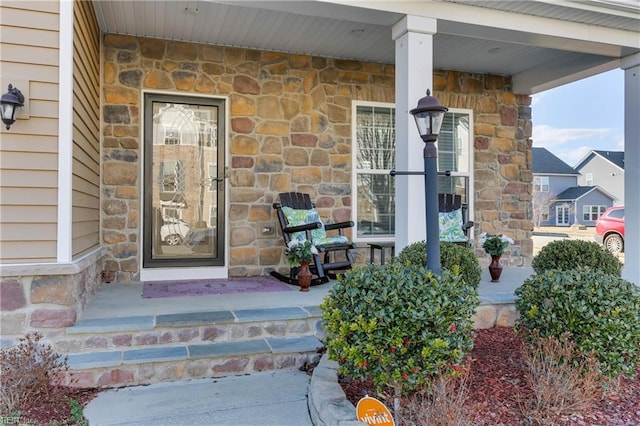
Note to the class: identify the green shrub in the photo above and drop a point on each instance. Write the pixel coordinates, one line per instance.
(576, 254)
(599, 311)
(453, 257)
(399, 324)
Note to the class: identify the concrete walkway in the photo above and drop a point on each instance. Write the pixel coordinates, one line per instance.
(270, 398)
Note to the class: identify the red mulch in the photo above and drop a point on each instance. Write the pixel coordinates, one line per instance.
(497, 384)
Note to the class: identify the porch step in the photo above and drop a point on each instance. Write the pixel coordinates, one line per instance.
(124, 351)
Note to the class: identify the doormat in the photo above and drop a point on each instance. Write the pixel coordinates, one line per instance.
(155, 289)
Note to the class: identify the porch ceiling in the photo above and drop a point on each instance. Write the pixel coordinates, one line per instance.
(541, 44)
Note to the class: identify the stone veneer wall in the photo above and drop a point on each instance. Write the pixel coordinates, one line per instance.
(290, 130)
(46, 298)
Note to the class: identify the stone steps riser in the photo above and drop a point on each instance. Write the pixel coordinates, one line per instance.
(161, 350)
(134, 366)
(188, 369)
(96, 340)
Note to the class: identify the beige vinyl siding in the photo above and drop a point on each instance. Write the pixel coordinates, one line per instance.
(86, 124)
(29, 38)
(29, 197)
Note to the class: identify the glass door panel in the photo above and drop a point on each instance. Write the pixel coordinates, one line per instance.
(184, 181)
(562, 215)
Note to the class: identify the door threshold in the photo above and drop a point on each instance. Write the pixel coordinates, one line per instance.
(181, 273)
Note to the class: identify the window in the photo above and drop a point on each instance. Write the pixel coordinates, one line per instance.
(206, 133)
(169, 213)
(541, 183)
(375, 157)
(171, 136)
(171, 177)
(617, 214)
(592, 212)
(374, 136)
(589, 179)
(454, 154)
(545, 213)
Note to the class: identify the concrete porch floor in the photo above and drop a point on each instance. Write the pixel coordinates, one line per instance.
(125, 300)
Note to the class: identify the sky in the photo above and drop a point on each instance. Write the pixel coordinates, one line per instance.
(575, 118)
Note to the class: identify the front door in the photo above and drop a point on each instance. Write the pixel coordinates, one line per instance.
(184, 184)
(562, 216)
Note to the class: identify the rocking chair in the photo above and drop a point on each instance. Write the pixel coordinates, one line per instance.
(454, 226)
(300, 220)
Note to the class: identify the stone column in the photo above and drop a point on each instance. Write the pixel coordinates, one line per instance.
(414, 75)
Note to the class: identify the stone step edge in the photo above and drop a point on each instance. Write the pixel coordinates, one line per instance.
(192, 319)
(107, 359)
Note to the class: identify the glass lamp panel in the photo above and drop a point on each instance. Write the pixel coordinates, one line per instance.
(8, 111)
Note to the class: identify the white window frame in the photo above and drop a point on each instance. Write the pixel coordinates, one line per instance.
(591, 214)
(540, 183)
(468, 157)
(588, 179)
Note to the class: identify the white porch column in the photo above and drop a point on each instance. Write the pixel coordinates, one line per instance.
(414, 75)
(631, 67)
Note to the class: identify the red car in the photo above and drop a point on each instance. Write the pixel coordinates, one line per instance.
(610, 229)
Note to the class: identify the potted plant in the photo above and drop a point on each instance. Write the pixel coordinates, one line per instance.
(299, 254)
(494, 245)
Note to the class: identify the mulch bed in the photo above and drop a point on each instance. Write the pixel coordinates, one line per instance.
(497, 385)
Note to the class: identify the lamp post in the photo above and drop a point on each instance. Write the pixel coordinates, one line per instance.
(428, 115)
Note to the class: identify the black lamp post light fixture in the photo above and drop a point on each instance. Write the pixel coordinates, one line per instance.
(10, 104)
(429, 115)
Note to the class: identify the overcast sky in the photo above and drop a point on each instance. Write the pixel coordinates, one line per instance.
(588, 114)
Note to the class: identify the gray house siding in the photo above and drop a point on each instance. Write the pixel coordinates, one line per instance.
(568, 190)
(593, 196)
(557, 184)
(605, 174)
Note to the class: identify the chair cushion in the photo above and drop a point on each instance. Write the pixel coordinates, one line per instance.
(451, 226)
(319, 235)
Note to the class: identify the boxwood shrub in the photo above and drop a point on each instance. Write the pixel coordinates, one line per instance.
(576, 254)
(453, 257)
(399, 324)
(599, 311)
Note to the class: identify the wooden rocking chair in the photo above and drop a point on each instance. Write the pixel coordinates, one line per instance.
(300, 220)
(454, 226)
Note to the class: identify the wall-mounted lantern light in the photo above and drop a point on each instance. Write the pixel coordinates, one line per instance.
(429, 115)
(10, 104)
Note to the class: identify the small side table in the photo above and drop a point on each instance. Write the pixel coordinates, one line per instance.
(382, 246)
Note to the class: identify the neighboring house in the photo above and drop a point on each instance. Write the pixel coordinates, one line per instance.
(604, 169)
(140, 116)
(580, 205)
(557, 198)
